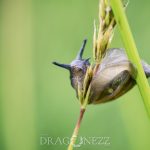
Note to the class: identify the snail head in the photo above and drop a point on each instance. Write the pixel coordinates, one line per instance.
(77, 66)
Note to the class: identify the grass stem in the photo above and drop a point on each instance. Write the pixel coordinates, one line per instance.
(76, 130)
(131, 50)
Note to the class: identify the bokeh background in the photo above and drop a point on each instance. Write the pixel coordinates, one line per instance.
(36, 98)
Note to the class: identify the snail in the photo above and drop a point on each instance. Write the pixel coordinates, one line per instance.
(115, 75)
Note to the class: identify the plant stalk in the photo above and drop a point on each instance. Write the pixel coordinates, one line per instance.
(131, 50)
(76, 130)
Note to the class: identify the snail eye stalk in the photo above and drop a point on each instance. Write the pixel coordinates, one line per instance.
(66, 66)
(80, 53)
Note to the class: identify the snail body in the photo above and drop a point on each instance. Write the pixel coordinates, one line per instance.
(114, 77)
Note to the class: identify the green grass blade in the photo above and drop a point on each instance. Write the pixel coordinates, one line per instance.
(131, 50)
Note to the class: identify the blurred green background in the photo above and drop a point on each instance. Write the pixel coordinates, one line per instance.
(36, 99)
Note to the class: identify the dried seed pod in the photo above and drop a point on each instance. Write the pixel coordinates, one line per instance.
(114, 77)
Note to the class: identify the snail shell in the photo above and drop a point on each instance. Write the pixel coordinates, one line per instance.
(115, 76)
